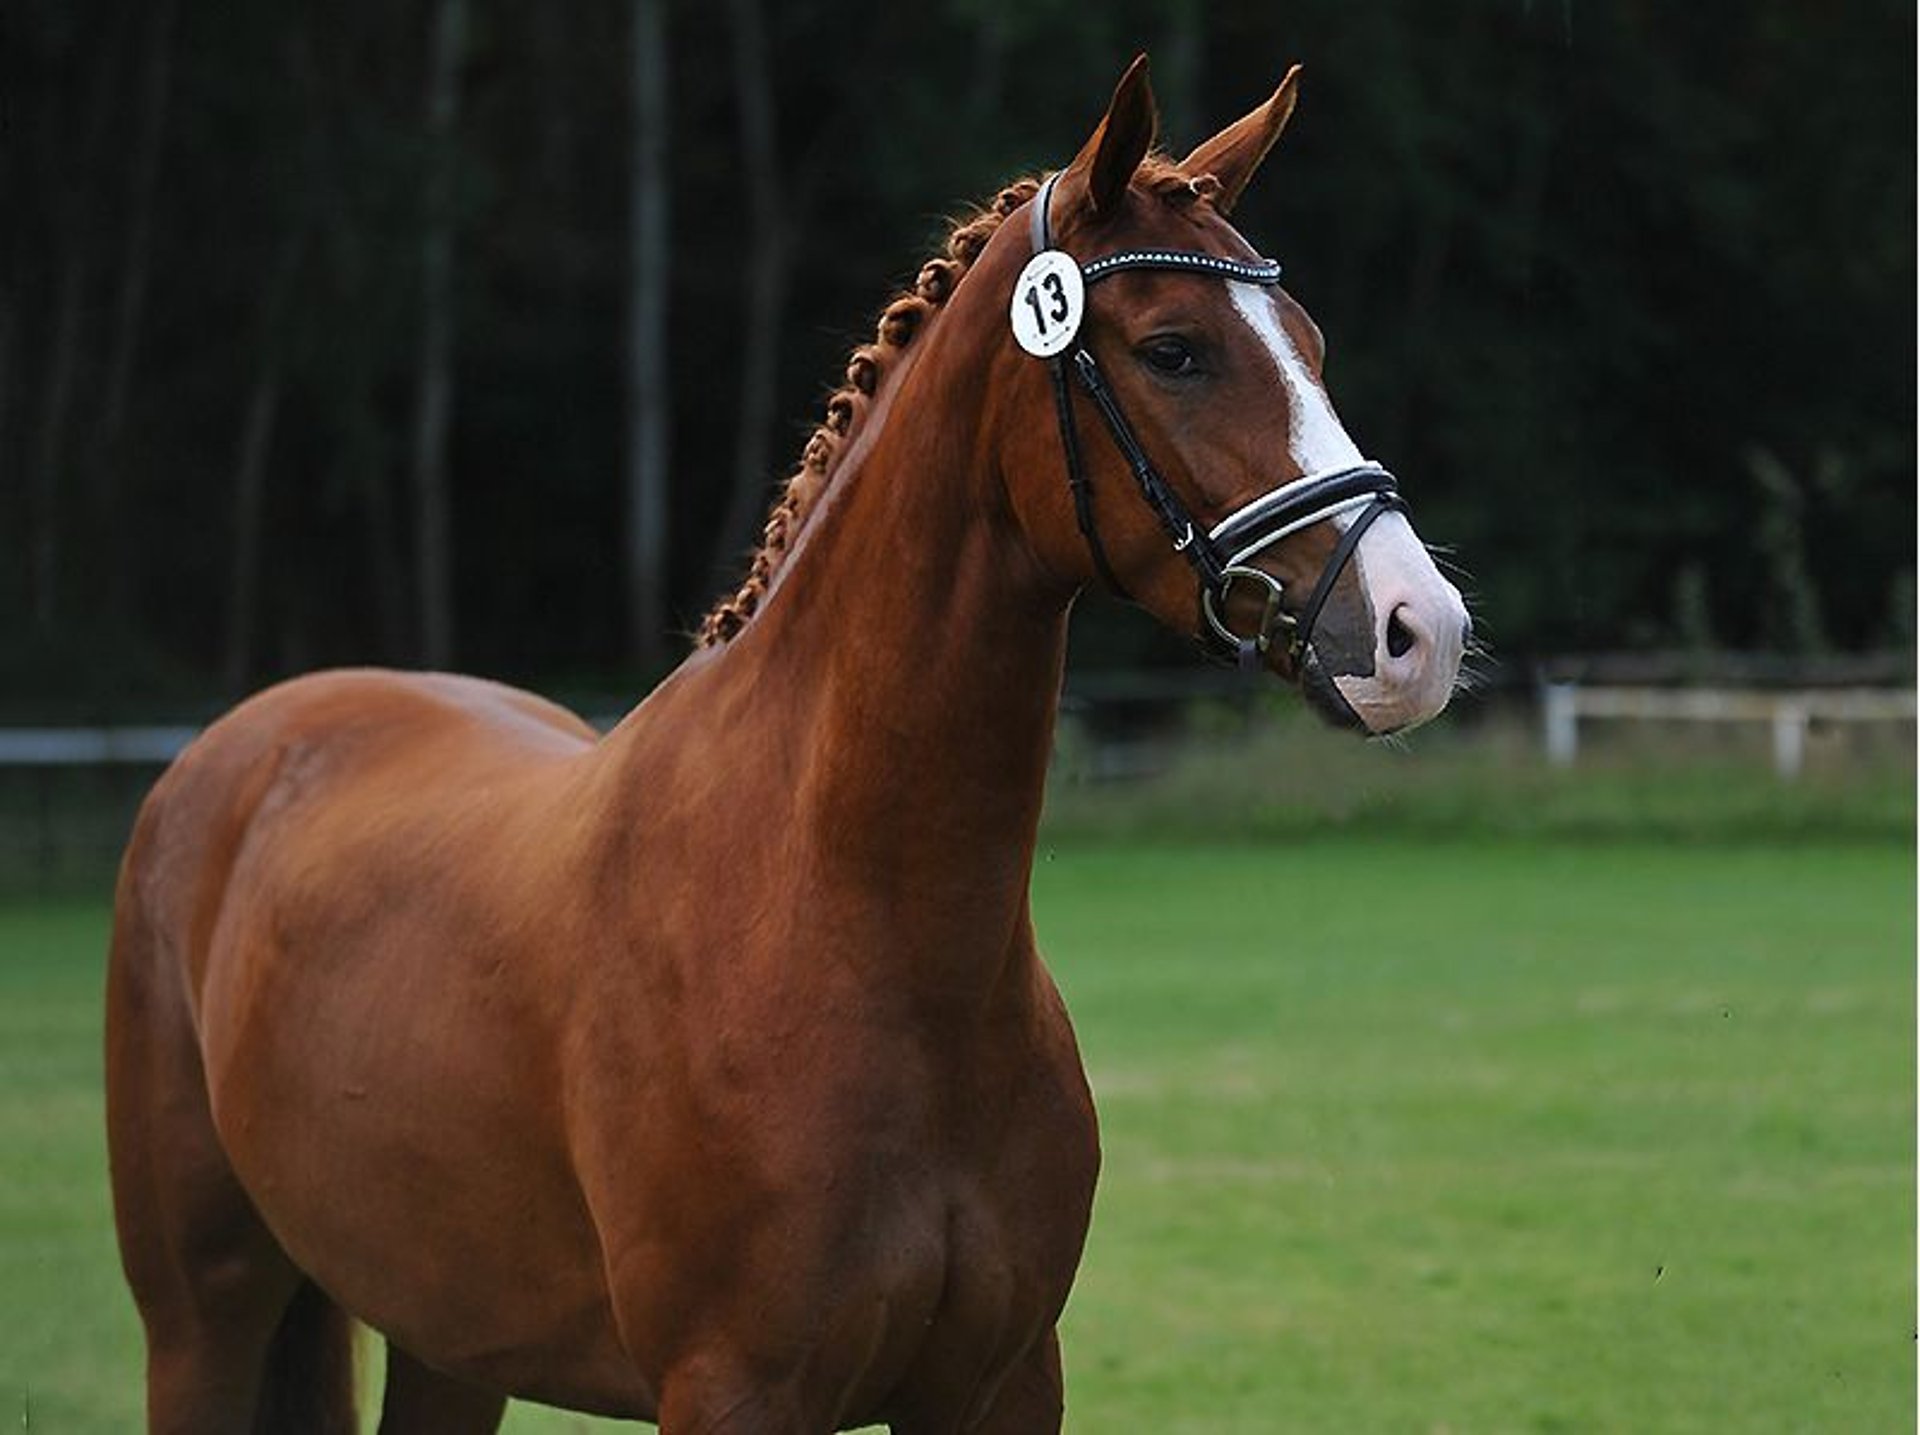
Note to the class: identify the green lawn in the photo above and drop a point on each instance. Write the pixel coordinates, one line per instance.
(1430, 1137)
(1406, 1136)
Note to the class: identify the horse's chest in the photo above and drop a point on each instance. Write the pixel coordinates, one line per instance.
(913, 1222)
(1002, 1207)
(1011, 1234)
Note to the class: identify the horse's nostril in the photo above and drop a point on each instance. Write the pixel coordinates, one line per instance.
(1400, 638)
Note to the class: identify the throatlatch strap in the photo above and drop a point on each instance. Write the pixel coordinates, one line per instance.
(1078, 482)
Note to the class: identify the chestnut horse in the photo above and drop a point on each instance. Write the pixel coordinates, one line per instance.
(706, 1072)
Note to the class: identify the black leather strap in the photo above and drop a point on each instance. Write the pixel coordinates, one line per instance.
(1040, 229)
(1189, 540)
(1240, 535)
(1336, 564)
(1077, 480)
(1259, 271)
(1040, 221)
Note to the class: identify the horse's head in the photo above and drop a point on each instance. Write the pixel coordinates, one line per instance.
(1167, 432)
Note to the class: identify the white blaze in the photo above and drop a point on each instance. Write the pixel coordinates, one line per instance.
(1391, 564)
(1320, 441)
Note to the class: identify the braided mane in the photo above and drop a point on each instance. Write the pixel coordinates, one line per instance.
(870, 364)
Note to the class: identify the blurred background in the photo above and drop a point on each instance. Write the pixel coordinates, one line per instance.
(318, 336)
(473, 335)
(1553, 1070)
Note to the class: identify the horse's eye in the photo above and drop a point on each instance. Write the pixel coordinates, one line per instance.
(1169, 355)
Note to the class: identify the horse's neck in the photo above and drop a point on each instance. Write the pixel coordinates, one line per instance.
(906, 670)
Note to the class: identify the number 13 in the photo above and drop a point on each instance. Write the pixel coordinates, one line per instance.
(1057, 291)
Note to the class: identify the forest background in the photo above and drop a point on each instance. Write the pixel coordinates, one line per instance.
(474, 334)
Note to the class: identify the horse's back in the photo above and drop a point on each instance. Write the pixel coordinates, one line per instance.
(314, 746)
(370, 713)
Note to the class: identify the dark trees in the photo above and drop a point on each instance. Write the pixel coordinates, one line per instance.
(1623, 292)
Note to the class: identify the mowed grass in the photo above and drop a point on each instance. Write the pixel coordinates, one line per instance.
(1400, 1136)
(1433, 1137)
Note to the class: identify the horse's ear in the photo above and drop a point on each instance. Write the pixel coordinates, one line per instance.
(1235, 153)
(1104, 167)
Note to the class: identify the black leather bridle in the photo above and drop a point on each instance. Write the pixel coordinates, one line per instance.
(1221, 555)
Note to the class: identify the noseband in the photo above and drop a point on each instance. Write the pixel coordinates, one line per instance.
(1054, 283)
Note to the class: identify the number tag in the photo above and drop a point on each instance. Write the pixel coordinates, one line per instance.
(1049, 298)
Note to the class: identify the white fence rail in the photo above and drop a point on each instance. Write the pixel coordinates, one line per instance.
(91, 746)
(1788, 712)
(1563, 707)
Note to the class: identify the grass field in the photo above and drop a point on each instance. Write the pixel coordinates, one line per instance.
(1418, 1135)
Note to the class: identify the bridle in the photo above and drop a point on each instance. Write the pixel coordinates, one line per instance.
(1222, 555)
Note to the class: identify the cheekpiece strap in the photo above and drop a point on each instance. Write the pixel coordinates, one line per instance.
(1040, 229)
(1249, 528)
(1188, 540)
